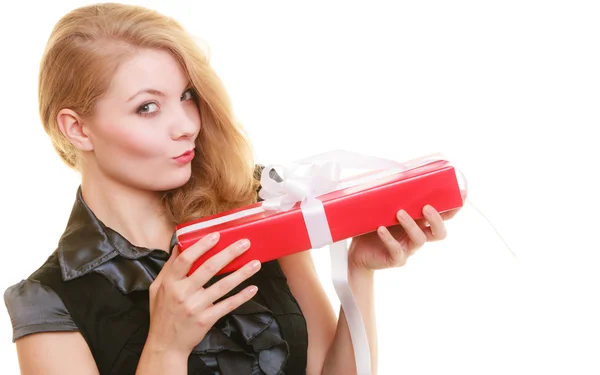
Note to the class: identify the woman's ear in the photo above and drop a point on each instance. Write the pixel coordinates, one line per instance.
(71, 126)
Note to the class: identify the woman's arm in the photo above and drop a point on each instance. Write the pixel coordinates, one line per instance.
(66, 353)
(155, 361)
(55, 353)
(340, 358)
(330, 348)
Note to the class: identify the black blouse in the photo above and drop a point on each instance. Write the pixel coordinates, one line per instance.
(96, 282)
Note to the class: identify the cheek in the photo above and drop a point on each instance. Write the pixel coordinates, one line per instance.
(134, 144)
(118, 141)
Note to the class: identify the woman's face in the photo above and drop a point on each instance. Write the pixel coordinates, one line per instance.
(143, 130)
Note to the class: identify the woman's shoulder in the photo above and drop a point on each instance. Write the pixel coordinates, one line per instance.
(34, 307)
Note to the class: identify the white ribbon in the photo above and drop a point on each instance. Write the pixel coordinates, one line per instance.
(305, 180)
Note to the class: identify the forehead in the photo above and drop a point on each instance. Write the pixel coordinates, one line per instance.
(148, 69)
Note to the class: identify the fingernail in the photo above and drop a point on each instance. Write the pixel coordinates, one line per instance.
(381, 231)
(402, 215)
(213, 237)
(255, 264)
(252, 289)
(243, 244)
(429, 209)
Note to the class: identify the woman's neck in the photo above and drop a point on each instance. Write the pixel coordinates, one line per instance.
(135, 214)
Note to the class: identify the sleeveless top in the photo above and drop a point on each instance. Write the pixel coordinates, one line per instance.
(96, 283)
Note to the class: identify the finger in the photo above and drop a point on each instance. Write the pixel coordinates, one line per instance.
(168, 264)
(397, 252)
(432, 236)
(429, 234)
(436, 223)
(158, 281)
(218, 310)
(447, 215)
(412, 229)
(227, 284)
(184, 261)
(172, 256)
(216, 263)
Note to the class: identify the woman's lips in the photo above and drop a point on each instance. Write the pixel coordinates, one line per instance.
(185, 158)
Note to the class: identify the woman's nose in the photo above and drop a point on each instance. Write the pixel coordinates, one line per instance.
(185, 125)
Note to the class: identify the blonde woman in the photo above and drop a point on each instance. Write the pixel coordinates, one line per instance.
(130, 101)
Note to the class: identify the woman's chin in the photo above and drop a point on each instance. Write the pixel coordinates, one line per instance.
(171, 182)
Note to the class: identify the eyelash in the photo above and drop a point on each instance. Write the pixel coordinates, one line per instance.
(140, 111)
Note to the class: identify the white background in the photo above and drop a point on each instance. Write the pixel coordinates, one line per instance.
(509, 90)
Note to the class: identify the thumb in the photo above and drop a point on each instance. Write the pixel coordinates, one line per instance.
(168, 264)
(174, 252)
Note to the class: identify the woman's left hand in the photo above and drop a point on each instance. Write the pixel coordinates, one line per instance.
(392, 246)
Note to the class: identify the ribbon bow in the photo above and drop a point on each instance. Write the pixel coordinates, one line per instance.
(308, 178)
(299, 184)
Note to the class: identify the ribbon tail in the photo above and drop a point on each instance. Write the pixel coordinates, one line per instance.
(356, 326)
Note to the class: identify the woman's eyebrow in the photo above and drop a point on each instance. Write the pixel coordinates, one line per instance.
(149, 91)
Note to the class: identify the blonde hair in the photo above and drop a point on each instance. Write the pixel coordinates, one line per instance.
(83, 52)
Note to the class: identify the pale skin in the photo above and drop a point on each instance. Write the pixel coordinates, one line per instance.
(128, 148)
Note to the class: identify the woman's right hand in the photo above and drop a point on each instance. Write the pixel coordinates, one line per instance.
(181, 309)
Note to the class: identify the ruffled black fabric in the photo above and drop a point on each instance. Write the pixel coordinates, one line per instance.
(246, 341)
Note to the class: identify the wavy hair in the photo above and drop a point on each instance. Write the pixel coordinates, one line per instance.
(83, 52)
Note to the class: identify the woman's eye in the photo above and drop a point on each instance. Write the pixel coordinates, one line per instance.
(148, 108)
(189, 94)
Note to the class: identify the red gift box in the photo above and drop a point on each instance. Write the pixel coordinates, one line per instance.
(350, 211)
